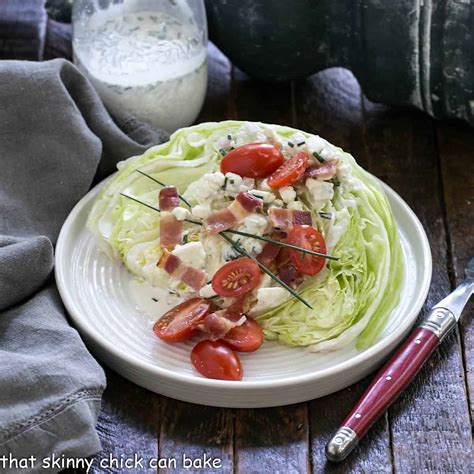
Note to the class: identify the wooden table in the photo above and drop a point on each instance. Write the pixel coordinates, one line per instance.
(429, 429)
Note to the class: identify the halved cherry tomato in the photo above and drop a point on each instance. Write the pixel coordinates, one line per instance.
(311, 239)
(255, 160)
(245, 338)
(215, 360)
(179, 322)
(290, 171)
(236, 277)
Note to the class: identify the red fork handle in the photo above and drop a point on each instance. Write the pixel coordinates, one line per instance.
(388, 384)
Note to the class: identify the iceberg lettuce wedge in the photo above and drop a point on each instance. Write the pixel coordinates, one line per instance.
(352, 298)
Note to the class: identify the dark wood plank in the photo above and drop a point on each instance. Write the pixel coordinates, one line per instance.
(274, 439)
(192, 430)
(329, 104)
(197, 433)
(128, 425)
(456, 149)
(430, 423)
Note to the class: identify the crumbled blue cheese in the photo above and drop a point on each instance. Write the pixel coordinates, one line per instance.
(264, 185)
(287, 193)
(207, 291)
(277, 203)
(255, 224)
(181, 213)
(315, 144)
(232, 183)
(295, 206)
(191, 254)
(268, 298)
(320, 191)
(201, 211)
(266, 196)
(206, 187)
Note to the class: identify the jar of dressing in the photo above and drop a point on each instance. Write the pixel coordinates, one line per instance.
(145, 57)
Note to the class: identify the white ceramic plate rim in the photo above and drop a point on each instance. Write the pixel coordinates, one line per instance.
(360, 358)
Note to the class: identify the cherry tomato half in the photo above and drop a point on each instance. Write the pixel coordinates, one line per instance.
(178, 323)
(245, 338)
(236, 277)
(255, 160)
(215, 360)
(311, 239)
(290, 171)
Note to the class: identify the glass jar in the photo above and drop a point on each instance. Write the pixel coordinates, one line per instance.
(145, 57)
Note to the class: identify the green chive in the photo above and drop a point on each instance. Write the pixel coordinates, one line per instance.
(162, 184)
(318, 157)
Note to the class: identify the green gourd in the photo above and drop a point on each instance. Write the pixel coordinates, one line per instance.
(403, 52)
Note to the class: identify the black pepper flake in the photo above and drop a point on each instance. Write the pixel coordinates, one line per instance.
(155, 299)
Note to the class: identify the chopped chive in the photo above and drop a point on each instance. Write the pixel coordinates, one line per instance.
(318, 156)
(291, 144)
(185, 239)
(154, 299)
(225, 182)
(300, 143)
(325, 215)
(222, 152)
(229, 137)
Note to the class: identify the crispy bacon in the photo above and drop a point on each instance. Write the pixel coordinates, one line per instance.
(270, 251)
(171, 230)
(249, 202)
(286, 269)
(286, 219)
(169, 198)
(240, 208)
(191, 276)
(218, 324)
(325, 170)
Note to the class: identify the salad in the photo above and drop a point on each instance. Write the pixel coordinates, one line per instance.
(260, 232)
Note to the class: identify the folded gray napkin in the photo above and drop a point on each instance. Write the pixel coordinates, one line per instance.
(55, 138)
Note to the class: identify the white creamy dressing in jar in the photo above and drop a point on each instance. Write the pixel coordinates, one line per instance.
(149, 64)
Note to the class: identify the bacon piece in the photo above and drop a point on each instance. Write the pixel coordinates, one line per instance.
(238, 210)
(268, 254)
(220, 220)
(286, 269)
(270, 251)
(191, 276)
(217, 324)
(325, 170)
(250, 202)
(171, 230)
(286, 219)
(169, 198)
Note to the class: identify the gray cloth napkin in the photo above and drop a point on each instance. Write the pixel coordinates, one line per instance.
(55, 138)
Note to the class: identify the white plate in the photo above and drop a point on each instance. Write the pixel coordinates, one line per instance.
(97, 293)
